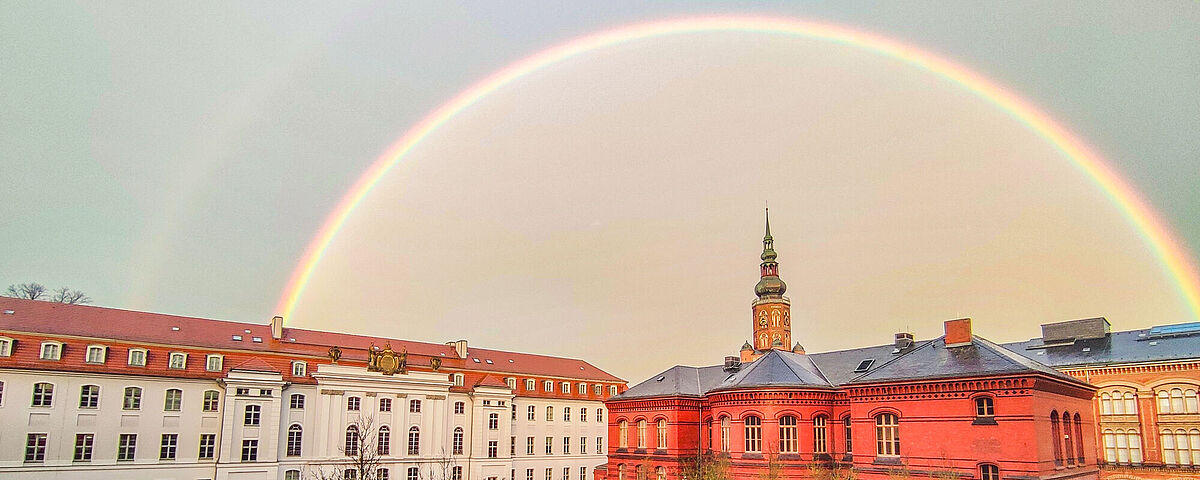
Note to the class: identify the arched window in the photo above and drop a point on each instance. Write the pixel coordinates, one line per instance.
(849, 435)
(622, 433)
(887, 435)
(753, 429)
(1122, 446)
(1056, 438)
(661, 429)
(173, 401)
(620, 471)
(1067, 438)
(725, 433)
(1181, 447)
(133, 398)
(1164, 403)
(641, 434)
(1177, 400)
(291, 475)
(43, 394)
(1130, 401)
(414, 441)
(989, 472)
(1079, 456)
(820, 444)
(295, 440)
(351, 448)
(1106, 404)
(984, 407)
(660, 473)
(1190, 401)
(708, 427)
(788, 438)
(457, 445)
(384, 442)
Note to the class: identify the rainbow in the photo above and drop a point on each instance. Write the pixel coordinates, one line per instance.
(1155, 232)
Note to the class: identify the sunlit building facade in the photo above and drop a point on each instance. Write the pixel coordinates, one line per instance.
(89, 392)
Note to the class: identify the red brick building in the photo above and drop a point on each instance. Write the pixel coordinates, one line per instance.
(958, 406)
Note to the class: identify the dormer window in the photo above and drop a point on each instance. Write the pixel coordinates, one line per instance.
(458, 379)
(599, 389)
(51, 351)
(548, 386)
(582, 388)
(511, 382)
(213, 362)
(6, 346)
(178, 361)
(612, 390)
(566, 387)
(299, 369)
(96, 353)
(137, 357)
(530, 384)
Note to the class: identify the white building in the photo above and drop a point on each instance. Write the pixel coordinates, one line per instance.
(89, 392)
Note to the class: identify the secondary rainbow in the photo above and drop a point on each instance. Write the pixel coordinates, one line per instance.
(1174, 258)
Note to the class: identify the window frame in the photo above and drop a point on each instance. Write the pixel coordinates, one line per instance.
(103, 354)
(57, 351)
(211, 405)
(7, 345)
(208, 362)
(89, 398)
(145, 355)
(131, 398)
(178, 404)
(171, 364)
(299, 368)
(887, 435)
(294, 446)
(752, 433)
(252, 415)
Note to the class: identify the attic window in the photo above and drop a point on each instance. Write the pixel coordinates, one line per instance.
(476, 360)
(174, 329)
(510, 360)
(659, 379)
(9, 312)
(1087, 349)
(489, 362)
(864, 365)
(247, 331)
(256, 339)
(237, 338)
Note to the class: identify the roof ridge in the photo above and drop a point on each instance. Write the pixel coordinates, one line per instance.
(1021, 360)
(820, 372)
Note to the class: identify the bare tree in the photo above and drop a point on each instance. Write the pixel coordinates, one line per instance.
(361, 457)
(66, 295)
(705, 466)
(30, 291)
(831, 471)
(442, 467)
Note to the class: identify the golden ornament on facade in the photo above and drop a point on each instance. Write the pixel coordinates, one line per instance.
(386, 361)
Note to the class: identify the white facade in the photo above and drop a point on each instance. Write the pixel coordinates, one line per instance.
(254, 412)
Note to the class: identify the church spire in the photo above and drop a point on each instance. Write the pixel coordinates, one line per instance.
(770, 284)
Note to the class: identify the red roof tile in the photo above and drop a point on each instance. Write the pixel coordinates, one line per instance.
(32, 316)
(255, 364)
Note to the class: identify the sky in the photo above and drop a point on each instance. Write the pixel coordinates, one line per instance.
(178, 158)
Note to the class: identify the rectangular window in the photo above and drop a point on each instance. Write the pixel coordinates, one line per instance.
(174, 400)
(132, 399)
(753, 434)
(5, 347)
(297, 402)
(299, 369)
(512, 446)
(51, 351)
(599, 444)
(529, 385)
(583, 445)
(89, 396)
(493, 421)
(548, 386)
(211, 400)
(95, 354)
(582, 473)
(549, 473)
(43, 394)
(249, 450)
(612, 390)
(493, 449)
(532, 412)
(126, 447)
(253, 415)
(137, 357)
(166, 450)
(83, 446)
(600, 415)
(208, 445)
(414, 406)
(529, 446)
(213, 363)
(566, 445)
(599, 390)
(385, 404)
(528, 474)
(35, 447)
(566, 387)
(549, 445)
(566, 473)
(178, 361)
(583, 414)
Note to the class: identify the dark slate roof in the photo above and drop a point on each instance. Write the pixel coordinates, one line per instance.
(1132, 346)
(679, 380)
(934, 360)
(839, 366)
(777, 368)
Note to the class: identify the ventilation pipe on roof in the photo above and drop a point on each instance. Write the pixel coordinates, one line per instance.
(903, 340)
(277, 327)
(460, 347)
(732, 364)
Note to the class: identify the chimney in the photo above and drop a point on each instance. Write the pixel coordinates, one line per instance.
(958, 332)
(903, 340)
(277, 327)
(460, 347)
(732, 364)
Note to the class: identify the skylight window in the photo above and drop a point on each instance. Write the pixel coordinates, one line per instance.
(256, 339)
(489, 362)
(476, 360)
(237, 338)
(864, 365)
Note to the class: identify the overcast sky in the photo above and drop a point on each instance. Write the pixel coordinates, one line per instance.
(178, 157)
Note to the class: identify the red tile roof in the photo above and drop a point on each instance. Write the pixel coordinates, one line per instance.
(256, 364)
(32, 316)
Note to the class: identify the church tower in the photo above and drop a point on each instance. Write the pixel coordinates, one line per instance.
(772, 312)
